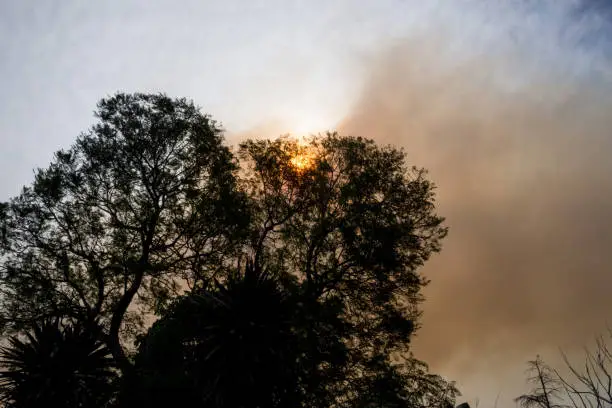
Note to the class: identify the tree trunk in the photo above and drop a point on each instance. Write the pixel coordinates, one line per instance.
(113, 340)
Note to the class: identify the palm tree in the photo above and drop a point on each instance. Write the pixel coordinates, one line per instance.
(229, 345)
(56, 365)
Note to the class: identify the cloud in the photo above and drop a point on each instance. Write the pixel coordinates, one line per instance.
(512, 118)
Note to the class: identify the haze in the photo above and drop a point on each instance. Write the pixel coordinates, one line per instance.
(507, 103)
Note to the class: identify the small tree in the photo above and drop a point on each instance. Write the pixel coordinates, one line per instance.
(56, 366)
(548, 389)
(590, 386)
(138, 202)
(586, 387)
(231, 344)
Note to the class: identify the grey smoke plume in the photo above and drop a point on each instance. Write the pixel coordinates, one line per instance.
(512, 115)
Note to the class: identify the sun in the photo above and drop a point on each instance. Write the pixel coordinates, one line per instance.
(301, 161)
(303, 157)
(305, 125)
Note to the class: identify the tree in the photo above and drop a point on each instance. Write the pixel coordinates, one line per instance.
(590, 386)
(349, 221)
(115, 223)
(548, 389)
(56, 366)
(150, 201)
(586, 387)
(231, 344)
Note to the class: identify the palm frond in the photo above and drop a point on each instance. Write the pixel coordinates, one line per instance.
(56, 364)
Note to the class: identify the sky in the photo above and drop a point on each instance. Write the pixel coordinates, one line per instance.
(506, 102)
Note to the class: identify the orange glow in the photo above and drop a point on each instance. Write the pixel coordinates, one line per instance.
(301, 161)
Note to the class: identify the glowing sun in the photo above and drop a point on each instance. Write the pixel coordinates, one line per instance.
(303, 157)
(301, 161)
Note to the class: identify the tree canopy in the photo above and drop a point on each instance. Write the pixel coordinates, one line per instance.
(304, 253)
(137, 203)
(349, 221)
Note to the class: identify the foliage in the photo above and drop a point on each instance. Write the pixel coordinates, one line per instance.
(150, 200)
(348, 220)
(230, 336)
(137, 203)
(56, 366)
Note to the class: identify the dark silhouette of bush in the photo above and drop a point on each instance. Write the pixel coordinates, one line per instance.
(230, 344)
(56, 365)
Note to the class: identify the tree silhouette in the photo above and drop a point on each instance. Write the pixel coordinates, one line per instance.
(340, 225)
(588, 385)
(137, 203)
(547, 387)
(56, 366)
(231, 344)
(349, 221)
(149, 203)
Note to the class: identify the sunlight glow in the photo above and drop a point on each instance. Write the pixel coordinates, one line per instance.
(308, 123)
(304, 125)
(301, 161)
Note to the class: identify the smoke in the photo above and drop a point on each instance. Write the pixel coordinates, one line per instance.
(510, 110)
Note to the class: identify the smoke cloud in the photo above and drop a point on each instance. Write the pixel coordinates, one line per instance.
(511, 114)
